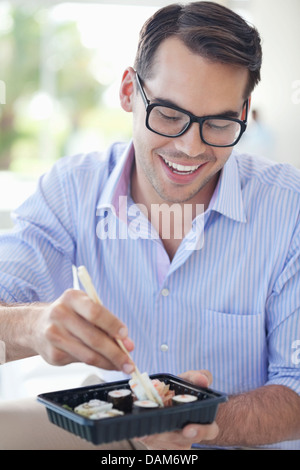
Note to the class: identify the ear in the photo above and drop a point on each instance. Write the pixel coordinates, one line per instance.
(127, 89)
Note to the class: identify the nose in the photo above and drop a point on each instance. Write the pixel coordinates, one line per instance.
(190, 142)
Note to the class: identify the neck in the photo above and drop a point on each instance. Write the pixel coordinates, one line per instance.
(172, 220)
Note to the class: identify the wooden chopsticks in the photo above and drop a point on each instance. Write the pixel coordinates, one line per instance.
(87, 283)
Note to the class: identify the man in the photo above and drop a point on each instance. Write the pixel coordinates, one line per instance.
(220, 290)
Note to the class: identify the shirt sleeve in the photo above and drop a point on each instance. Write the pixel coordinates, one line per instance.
(283, 321)
(36, 257)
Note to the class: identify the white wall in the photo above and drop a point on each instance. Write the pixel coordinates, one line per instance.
(278, 95)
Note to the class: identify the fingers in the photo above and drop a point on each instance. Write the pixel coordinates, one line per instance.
(81, 331)
(181, 440)
(199, 433)
(95, 314)
(202, 378)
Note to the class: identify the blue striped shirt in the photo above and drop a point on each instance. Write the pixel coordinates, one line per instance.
(230, 305)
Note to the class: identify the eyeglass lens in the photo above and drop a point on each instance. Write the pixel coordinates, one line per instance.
(171, 122)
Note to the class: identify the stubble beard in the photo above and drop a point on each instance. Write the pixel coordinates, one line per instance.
(179, 194)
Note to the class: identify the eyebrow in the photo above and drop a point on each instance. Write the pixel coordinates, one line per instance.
(164, 102)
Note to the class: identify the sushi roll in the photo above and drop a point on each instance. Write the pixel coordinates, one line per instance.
(121, 399)
(141, 393)
(139, 406)
(92, 406)
(183, 398)
(107, 414)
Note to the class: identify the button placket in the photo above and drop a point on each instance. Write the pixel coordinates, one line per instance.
(165, 292)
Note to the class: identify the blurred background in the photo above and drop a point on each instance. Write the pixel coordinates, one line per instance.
(60, 68)
(61, 64)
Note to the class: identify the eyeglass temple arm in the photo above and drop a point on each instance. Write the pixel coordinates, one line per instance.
(247, 104)
(146, 101)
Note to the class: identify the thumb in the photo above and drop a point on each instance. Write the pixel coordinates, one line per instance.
(202, 378)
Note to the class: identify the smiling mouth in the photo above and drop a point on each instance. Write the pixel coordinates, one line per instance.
(181, 169)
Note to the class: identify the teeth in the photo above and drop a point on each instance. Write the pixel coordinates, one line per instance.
(181, 168)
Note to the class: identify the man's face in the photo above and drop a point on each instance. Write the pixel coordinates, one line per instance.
(201, 87)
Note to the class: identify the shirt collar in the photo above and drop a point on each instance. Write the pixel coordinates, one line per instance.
(118, 182)
(227, 198)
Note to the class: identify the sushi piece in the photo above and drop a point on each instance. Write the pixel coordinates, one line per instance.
(140, 406)
(92, 406)
(121, 399)
(183, 398)
(138, 389)
(106, 414)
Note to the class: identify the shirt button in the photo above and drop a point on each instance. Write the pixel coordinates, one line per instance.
(164, 347)
(165, 292)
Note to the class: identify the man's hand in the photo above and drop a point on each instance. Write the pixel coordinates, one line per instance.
(75, 329)
(190, 434)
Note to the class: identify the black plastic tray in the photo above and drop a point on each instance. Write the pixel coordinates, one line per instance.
(130, 425)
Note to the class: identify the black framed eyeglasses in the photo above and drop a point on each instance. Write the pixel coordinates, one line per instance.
(172, 121)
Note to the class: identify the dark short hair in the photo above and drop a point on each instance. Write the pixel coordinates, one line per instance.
(206, 28)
